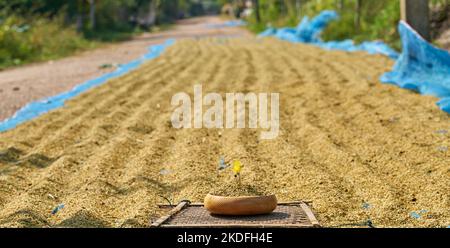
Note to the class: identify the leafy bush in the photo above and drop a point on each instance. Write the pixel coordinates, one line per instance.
(23, 41)
(37, 30)
(379, 21)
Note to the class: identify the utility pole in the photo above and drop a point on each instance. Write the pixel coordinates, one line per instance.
(416, 14)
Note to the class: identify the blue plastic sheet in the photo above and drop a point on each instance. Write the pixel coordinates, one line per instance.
(35, 109)
(228, 24)
(309, 31)
(421, 67)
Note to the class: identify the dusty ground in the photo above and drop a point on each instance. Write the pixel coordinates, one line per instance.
(22, 85)
(356, 148)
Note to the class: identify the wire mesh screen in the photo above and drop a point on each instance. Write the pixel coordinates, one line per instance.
(289, 215)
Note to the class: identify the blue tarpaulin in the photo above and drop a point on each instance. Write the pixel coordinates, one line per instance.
(228, 24)
(421, 67)
(35, 109)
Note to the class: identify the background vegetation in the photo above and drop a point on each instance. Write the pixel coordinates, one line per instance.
(37, 30)
(360, 19)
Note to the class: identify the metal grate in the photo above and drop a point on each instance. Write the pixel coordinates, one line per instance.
(296, 214)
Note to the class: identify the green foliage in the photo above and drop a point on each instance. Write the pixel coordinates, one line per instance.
(378, 19)
(22, 41)
(37, 30)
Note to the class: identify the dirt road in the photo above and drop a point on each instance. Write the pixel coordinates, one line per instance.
(356, 148)
(22, 85)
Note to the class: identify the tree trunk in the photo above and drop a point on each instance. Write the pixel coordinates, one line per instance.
(257, 11)
(92, 13)
(80, 15)
(151, 18)
(416, 14)
(146, 16)
(358, 14)
(340, 5)
(298, 8)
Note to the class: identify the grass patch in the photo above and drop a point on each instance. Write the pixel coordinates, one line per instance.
(23, 41)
